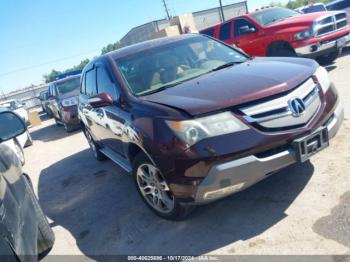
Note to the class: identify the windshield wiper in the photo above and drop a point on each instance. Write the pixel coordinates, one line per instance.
(229, 64)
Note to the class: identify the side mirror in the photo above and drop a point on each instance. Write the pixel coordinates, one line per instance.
(100, 100)
(11, 126)
(246, 29)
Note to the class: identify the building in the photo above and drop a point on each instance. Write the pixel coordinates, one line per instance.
(202, 19)
(29, 96)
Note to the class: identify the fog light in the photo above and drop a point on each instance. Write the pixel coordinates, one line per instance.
(223, 191)
(313, 48)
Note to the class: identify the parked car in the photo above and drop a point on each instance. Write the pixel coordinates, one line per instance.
(19, 142)
(279, 31)
(17, 107)
(63, 101)
(340, 5)
(44, 100)
(195, 120)
(312, 8)
(24, 230)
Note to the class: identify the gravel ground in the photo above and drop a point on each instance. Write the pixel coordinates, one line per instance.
(94, 208)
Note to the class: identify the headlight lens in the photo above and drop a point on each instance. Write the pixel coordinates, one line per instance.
(193, 131)
(306, 34)
(321, 77)
(72, 101)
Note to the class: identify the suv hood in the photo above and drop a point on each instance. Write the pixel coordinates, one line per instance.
(252, 80)
(300, 20)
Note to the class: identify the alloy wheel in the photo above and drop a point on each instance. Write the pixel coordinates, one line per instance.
(154, 188)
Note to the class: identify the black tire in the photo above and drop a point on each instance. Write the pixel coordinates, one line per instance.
(69, 128)
(29, 140)
(46, 237)
(179, 211)
(20, 152)
(58, 122)
(93, 146)
(281, 50)
(328, 59)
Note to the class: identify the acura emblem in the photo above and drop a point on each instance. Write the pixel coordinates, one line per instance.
(296, 106)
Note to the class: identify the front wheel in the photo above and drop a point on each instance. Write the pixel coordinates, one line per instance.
(94, 147)
(328, 59)
(19, 152)
(155, 191)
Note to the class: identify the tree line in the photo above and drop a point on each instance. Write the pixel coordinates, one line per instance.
(54, 73)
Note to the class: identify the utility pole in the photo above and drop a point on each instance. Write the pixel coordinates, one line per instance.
(222, 11)
(166, 10)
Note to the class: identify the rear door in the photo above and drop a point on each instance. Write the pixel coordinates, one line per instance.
(111, 128)
(225, 33)
(246, 37)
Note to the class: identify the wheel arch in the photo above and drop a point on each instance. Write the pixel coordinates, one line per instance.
(276, 43)
(134, 149)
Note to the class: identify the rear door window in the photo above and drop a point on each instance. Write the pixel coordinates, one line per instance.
(225, 31)
(90, 83)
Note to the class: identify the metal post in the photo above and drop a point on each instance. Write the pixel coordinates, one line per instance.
(222, 11)
(166, 9)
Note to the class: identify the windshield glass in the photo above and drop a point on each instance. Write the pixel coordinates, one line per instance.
(166, 66)
(68, 86)
(272, 15)
(9, 105)
(313, 9)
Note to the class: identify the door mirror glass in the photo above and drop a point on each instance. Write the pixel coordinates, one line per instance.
(100, 100)
(11, 126)
(246, 29)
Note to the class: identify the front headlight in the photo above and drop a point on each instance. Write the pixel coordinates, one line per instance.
(72, 101)
(306, 34)
(192, 131)
(321, 78)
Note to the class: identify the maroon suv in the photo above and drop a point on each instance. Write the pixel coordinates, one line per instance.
(196, 120)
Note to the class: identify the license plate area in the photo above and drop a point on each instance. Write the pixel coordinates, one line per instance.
(306, 147)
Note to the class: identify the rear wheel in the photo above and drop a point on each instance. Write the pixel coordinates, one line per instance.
(19, 152)
(155, 191)
(94, 147)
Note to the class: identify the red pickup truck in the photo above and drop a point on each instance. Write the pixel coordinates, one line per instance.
(278, 31)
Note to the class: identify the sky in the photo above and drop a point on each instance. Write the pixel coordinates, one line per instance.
(39, 35)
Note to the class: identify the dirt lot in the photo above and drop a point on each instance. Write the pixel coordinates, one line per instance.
(94, 208)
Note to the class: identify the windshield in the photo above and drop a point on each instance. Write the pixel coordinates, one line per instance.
(68, 86)
(272, 15)
(339, 5)
(163, 67)
(313, 9)
(10, 105)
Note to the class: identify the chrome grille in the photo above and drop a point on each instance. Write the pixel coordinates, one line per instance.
(329, 24)
(276, 114)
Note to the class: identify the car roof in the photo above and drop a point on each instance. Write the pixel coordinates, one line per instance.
(135, 48)
(7, 101)
(65, 79)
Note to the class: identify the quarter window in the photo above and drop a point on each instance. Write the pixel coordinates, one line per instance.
(209, 32)
(225, 31)
(90, 83)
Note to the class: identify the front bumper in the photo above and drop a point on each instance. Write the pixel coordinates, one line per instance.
(321, 48)
(70, 115)
(230, 177)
